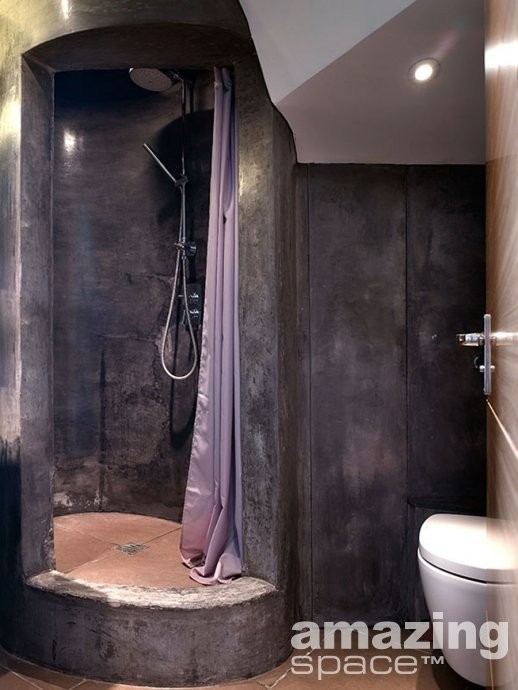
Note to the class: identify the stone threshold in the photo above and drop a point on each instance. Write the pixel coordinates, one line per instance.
(240, 591)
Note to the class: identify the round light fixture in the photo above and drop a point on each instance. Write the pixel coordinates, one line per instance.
(424, 70)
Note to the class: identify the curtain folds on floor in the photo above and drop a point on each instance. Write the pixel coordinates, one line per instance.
(211, 524)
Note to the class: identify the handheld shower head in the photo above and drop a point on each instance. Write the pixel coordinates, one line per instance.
(150, 78)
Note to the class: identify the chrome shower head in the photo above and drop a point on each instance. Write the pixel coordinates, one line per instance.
(150, 78)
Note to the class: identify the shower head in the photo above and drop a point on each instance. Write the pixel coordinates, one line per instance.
(150, 78)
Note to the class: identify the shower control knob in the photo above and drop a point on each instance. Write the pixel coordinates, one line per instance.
(190, 248)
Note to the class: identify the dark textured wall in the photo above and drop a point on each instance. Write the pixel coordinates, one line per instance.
(397, 424)
(446, 295)
(359, 516)
(289, 264)
(269, 266)
(34, 357)
(122, 427)
(358, 448)
(102, 35)
(24, 141)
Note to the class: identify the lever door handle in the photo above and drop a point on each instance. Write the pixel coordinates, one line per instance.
(483, 339)
(487, 369)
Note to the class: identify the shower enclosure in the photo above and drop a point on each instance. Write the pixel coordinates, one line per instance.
(89, 421)
(122, 427)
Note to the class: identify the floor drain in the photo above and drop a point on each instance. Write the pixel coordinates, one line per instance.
(131, 549)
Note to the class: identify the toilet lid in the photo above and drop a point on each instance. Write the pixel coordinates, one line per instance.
(475, 547)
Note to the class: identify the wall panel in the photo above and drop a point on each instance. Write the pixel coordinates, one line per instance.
(397, 413)
(358, 355)
(502, 290)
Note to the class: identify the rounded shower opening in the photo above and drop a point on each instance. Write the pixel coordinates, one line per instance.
(127, 310)
(121, 235)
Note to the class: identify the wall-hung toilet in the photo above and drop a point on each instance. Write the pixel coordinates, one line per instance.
(464, 562)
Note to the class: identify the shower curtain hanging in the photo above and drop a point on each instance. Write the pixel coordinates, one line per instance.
(211, 524)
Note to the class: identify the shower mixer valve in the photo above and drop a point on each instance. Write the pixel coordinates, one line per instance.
(193, 303)
(188, 247)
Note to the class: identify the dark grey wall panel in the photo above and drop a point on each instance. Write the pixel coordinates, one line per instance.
(122, 428)
(36, 424)
(446, 295)
(289, 392)
(357, 298)
(304, 555)
(268, 328)
(258, 326)
(369, 294)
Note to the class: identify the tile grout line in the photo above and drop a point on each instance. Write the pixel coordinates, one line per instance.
(25, 679)
(116, 543)
(35, 683)
(79, 530)
(279, 680)
(109, 551)
(161, 535)
(100, 557)
(82, 534)
(282, 676)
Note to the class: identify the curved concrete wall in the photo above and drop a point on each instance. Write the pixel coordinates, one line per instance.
(38, 38)
(171, 638)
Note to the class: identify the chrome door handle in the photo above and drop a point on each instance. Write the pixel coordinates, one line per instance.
(470, 339)
(486, 368)
(483, 339)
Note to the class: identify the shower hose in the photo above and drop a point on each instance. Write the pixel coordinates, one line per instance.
(182, 246)
(180, 276)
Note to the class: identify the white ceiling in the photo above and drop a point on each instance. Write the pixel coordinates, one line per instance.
(338, 71)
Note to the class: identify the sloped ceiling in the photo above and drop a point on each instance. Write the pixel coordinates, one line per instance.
(338, 71)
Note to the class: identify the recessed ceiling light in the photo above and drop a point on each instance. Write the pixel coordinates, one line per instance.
(424, 70)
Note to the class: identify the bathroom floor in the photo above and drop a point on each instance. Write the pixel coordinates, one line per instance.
(20, 675)
(120, 549)
(128, 549)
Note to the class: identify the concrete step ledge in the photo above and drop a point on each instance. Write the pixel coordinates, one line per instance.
(242, 590)
(154, 637)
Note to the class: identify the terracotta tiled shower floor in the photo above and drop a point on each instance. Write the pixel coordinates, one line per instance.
(86, 549)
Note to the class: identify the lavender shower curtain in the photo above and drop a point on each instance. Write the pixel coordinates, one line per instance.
(211, 524)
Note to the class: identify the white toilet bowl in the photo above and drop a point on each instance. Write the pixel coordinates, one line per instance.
(464, 562)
